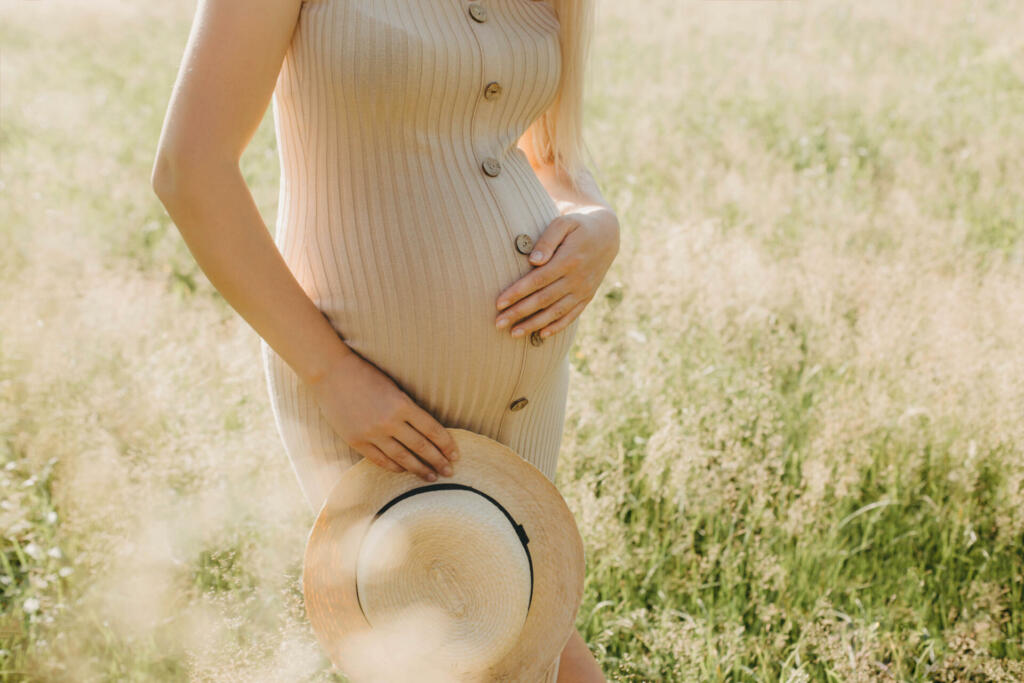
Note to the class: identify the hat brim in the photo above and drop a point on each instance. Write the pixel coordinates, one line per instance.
(556, 549)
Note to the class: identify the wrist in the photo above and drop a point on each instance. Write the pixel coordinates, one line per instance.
(339, 356)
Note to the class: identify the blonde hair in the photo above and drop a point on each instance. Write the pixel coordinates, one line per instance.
(557, 134)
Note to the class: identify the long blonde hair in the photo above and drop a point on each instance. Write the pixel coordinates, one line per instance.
(557, 134)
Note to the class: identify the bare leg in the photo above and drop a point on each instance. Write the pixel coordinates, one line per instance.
(577, 664)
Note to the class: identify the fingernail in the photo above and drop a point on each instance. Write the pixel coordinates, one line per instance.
(446, 470)
(455, 456)
(431, 477)
(518, 333)
(503, 322)
(537, 255)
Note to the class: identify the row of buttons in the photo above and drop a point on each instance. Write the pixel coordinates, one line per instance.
(524, 243)
(492, 167)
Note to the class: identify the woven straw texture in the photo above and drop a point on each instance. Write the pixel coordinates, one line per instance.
(437, 587)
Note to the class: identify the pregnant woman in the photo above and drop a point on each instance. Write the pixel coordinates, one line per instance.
(437, 236)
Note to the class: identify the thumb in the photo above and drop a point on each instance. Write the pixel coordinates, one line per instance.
(550, 239)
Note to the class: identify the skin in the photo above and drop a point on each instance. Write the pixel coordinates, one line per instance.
(221, 93)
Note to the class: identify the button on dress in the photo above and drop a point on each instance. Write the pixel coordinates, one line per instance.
(403, 196)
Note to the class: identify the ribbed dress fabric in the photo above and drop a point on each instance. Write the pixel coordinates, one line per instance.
(392, 226)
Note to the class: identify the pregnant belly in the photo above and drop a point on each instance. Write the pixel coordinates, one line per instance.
(434, 334)
(412, 288)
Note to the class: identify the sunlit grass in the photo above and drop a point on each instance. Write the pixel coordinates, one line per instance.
(793, 443)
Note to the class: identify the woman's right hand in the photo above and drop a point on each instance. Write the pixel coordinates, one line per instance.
(380, 421)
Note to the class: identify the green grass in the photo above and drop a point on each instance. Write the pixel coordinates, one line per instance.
(793, 441)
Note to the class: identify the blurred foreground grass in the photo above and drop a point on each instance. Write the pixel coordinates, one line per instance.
(794, 442)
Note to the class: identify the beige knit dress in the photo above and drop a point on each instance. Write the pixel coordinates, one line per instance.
(406, 206)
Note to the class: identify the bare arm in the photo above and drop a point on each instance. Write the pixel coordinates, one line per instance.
(227, 76)
(568, 200)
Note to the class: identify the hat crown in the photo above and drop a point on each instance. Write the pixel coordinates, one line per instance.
(447, 563)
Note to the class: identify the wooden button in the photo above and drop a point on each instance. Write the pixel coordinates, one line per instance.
(492, 91)
(535, 338)
(478, 12)
(524, 243)
(518, 404)
(491, 166)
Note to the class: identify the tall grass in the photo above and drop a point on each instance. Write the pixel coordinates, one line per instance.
(794, 439)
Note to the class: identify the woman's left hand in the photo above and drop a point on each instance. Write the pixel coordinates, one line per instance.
(575, 252)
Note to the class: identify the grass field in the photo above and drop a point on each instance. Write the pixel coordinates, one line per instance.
(794, 439)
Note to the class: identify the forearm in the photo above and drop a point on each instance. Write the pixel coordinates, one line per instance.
(568, 200)
(222, 227)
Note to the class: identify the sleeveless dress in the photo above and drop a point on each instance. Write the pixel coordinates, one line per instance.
(406, 207)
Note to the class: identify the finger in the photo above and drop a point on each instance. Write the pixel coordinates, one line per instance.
(533, 303)
(531, 282)
(406, 458)
(551, 238)
(379, 458)
(425, 423)
(423, 448)
(548, 315)
(564, 321)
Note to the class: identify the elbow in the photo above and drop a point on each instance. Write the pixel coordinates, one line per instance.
(167, 174)
(177, 174)
(161, 176)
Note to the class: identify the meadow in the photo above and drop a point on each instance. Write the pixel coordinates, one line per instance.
(795, 434)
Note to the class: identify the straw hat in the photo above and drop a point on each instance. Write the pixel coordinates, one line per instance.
(474, 577)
